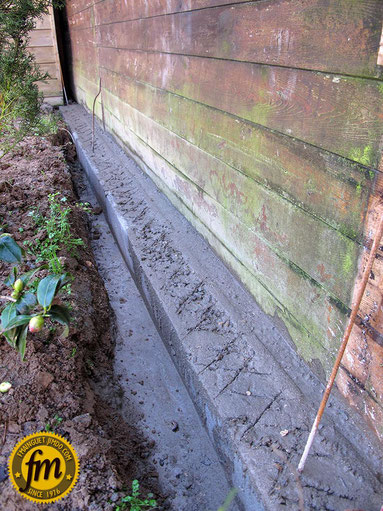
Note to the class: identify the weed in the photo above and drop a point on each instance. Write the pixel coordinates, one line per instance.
(3, 225)
(89, 364)
(229, 499)
(55, 233)
(133, 502)
(84, 206)
(68, 290)
(48, 125)
(55, 423)
(73, 353)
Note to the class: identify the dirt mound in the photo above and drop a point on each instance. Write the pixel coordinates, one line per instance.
(56, 386)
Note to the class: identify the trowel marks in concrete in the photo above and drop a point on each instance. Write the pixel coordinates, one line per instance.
(247, 383)
(187, 464)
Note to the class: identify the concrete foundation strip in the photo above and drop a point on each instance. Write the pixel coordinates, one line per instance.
(183, 284)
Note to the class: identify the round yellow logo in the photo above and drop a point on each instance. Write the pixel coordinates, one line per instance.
(43, 467)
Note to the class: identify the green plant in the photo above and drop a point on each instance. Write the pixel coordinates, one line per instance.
(48, 125)
(55, 423)
(56, 233)
(20, 100)
(84, 206)
(133, 502)
(229, 499)
(3, 225)
(31, 299)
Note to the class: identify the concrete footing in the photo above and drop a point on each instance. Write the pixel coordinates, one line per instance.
(256, 398)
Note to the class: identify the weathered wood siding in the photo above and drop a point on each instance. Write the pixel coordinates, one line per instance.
(43, 45)
(262, 121)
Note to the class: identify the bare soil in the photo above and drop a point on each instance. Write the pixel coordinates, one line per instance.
(60, 376)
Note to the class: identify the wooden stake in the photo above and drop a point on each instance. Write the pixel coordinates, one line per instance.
(354, 312)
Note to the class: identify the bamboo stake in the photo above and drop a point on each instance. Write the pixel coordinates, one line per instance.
(354, 312)
(94, 104)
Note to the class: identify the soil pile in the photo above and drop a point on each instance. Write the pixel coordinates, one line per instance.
(55, 388)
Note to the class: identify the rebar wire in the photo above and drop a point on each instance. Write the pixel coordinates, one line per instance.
(94, 104)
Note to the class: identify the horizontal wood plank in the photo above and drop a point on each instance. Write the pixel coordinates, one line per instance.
(51, 69)
(86, 58)
(41, 38)
(284, 227)
(50, 87)
(82, 20)
(341, 114)
(84, 38)
(43, 23)
(44, 54)
(309, 34)
(109, 11)
(294, 293)
(74, 7)
(244, 116)
(329, 187)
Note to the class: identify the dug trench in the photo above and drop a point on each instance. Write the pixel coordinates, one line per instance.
(109, 386)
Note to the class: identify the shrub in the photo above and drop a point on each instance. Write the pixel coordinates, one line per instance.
(20, 100)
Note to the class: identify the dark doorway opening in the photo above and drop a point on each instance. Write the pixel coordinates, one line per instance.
(65, 52)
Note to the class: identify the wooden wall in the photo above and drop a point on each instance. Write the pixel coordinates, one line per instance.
(43, 45)
(262, 121)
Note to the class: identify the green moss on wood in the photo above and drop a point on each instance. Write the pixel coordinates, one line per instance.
(347, 265)
(365, 156)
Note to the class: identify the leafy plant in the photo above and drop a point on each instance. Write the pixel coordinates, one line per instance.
(55, 228)
(48, 125)
(55, 423)
(31, 299)
(133, 502)
(20, 100)
(84, 206)
(3, 225)
(137, 504)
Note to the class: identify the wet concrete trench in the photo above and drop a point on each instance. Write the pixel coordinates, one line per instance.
(188, 468)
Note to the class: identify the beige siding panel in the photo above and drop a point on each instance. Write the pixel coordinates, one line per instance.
(50, 87)
(41, 38)
(43, 23)
(44, 54)
(51, 69)
(43, 45)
